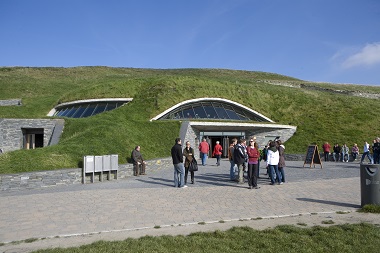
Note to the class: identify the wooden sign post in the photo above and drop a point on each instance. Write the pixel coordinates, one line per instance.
(312, 156)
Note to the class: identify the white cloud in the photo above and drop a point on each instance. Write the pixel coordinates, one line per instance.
(367, 56)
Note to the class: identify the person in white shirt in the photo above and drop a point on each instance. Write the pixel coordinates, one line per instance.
(366, 153)
(273, 158)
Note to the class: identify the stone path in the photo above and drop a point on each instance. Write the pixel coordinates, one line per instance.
(147, 202)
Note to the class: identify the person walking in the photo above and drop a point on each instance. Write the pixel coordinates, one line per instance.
(204, 149)
(188, 153)
(231, 158)
(366, 153)
(253, 164)
(179, 171)
(217, 152)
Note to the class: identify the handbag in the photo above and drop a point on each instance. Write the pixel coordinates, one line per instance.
(193, 166)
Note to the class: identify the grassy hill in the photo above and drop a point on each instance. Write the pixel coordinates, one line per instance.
(322, 112)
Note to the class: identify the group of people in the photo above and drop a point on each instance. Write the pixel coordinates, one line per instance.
(180, 171)
(243, 156)
(342, 153)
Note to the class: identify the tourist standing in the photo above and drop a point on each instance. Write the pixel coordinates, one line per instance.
(281, 163)
(239, 159)
(179, 171)
(188, 153)
(326, 151)
(231, 158)
(273, 158)
(253, 164)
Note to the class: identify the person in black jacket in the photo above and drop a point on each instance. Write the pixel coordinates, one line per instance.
(179, 171)
(240, 155)
(336, 154)
(188, 153)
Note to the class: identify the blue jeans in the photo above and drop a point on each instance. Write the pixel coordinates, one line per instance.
(344, 155)
(368, 155)
(335, 155)
(179, 175)
(204, 158)
(282, 172)
(232, 170)
(274, 169)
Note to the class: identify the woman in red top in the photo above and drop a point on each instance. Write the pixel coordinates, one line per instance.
(217, 153)
(253, 164)
(326, 151)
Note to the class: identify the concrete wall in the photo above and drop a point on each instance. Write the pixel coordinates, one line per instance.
(11, 136)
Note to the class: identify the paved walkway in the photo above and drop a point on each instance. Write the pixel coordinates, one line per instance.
(150, 201)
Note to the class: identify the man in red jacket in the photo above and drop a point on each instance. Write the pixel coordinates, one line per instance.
(204, 148)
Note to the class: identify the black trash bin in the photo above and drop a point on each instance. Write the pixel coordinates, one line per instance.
(370, 184)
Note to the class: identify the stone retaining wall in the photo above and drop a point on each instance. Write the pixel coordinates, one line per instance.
(10, 102)
(45, 179)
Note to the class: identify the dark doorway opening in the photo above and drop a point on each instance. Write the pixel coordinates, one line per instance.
(33, 138)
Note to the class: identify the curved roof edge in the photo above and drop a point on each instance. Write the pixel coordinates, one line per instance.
(210, 99)
(93, 100)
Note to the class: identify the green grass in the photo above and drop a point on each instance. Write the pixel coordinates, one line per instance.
(370, 209)
(342, 238)
(319, 115)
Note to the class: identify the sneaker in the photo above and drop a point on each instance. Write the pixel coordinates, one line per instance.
(257, 187)
(185, 186)
(281, 183)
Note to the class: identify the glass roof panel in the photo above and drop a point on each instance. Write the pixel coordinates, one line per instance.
(212, 110)
(86, 109)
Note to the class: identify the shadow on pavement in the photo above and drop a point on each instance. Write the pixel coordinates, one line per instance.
(329, 202)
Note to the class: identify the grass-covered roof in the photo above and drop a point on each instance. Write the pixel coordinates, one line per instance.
(322, 112)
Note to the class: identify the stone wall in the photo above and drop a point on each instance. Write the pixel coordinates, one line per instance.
(46, 179)
(11, 135)
(10, 102)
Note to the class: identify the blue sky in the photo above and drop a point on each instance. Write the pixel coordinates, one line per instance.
(334, 41)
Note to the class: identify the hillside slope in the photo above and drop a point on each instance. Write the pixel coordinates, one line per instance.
(322, 112)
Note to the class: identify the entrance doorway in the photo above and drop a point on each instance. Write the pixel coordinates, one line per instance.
(33, 138)
(224, 139)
